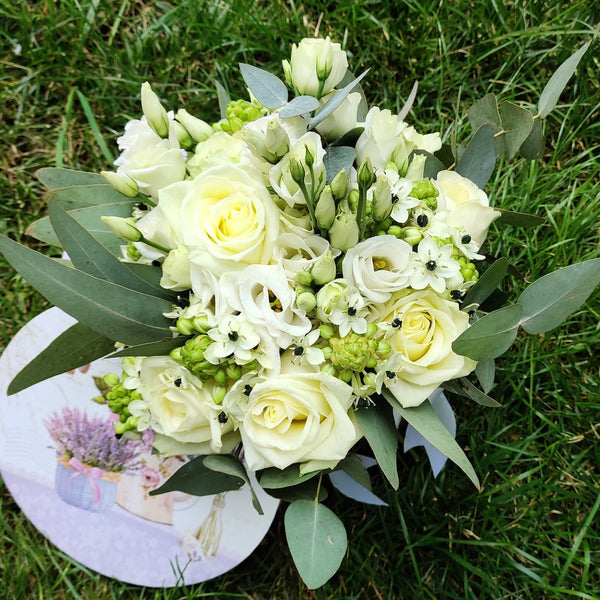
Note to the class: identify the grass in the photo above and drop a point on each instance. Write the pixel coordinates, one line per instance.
(532, 532)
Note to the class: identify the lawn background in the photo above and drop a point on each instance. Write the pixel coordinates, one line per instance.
(533, 530)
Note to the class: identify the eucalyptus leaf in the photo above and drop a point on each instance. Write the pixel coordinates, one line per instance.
(519, 219)
(353, 467)
(348, 139)
(490, 336)
(428, 424)
(485, 372)
(548, 301)
(88, 255)
(267, 88)
(273, 478)
(75, 347)
(150, 274)
(353, 489)
(433, 165)
(338, 158)
(91, 219)
(159, 348)
(198, 480)
(82, 196)
(489, 280)
(444, 154)
(485, 111)
(117, 312)
(317, 541)
(334, 102)
(517, 123)
(478, 160)
(533, 146)
(226, 463)
(303, 491)
(557, 83)
(477, 395)
(223, 98)
(52, 178)
(300, 105)
(377, 423)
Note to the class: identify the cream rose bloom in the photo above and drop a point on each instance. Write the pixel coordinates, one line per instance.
(180, 407)
(153, 162)
(467, 205)
(421, 327)
(225, 218)
(301, 416)
(380, 137)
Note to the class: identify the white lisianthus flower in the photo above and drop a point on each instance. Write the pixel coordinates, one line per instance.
(296, 253)
(301, 416)
(280, 175)
(378, 266)
(467, 205)
(430, 142)
(180, 406)
(262, 293)
(433, 265)
(421, 327)
(342, 119)
(316, 66)
(153, 162)
(225, 217)
(380, 137)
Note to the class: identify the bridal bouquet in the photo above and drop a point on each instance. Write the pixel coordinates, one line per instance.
(306, 273)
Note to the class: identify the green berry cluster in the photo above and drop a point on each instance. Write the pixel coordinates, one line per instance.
(237, 113)
(118, 399)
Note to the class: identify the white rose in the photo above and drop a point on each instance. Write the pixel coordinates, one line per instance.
(297, 417)
(467, 205)
(378, 266)
(153, 162)
(180, 407)
(342, 119)
(380, 137)
(176, 270)
(225, 217)
(314, 59)
(422, 327)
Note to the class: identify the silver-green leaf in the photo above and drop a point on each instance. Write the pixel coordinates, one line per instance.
(300, 105)
(478, 160)
(52, 178)
(267, 88)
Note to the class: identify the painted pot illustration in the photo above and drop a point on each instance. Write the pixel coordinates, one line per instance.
(89, 488)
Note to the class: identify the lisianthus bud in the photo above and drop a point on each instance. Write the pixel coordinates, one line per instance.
(353, 198)
(365, 173)
(122, 183)
(382, 199)
(344, 231)
(306, 301)
(198, 129)
(325, 208)
(277, 141)
(412, 235)
(182, 135)
(323, 270)
(154, 111)
(416, 167)
(123, 228)
(400, 156)
(339, 185)
(297, 170)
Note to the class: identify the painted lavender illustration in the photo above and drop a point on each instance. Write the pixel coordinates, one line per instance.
(90, 459)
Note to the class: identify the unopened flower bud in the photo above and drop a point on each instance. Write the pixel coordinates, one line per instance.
(154, 111)
(124, 228)
(122, 183)
(412, 235)
(324, 60)
(201, 323)
(382, 199)
(182, 135)
(365, 174)
(297, 170)
(339, 185)
(306, 301)
(323, 271)
(329, 369)
(326, 331)
(185, 326)
(277, 141)
(309, 157)
(400, 156)
(218, 394)
(325, 209)
(304, 278)
(198, 129)
(344, 232)
(416, 167)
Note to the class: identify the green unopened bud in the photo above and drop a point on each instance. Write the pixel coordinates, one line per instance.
(325, 209)
(391, 166)
(383, 348)
(277, 141)
(175, 354)
(201, 323)
(353, 198)
(304, 278)
(120, 428)
(306, 301)
(122, 183)
(154, 111)
(324, 61)
(234, 372)
(124, 228)
(382, 199)
(110, 379)
(371, 330)
(329, 369)
(344, 232)
(99, 399)
(185, 326)
(297, 170)
(395, 230)
(326, 331)
(365, 174)
(309, 158)
(132, 252)
(198, 129)
(323, 271)
(287, 72)
(183, 137)
(412, 235)
(339, 185)
(220, 377)
(218, 394)
(400, 156)
(422, 189)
